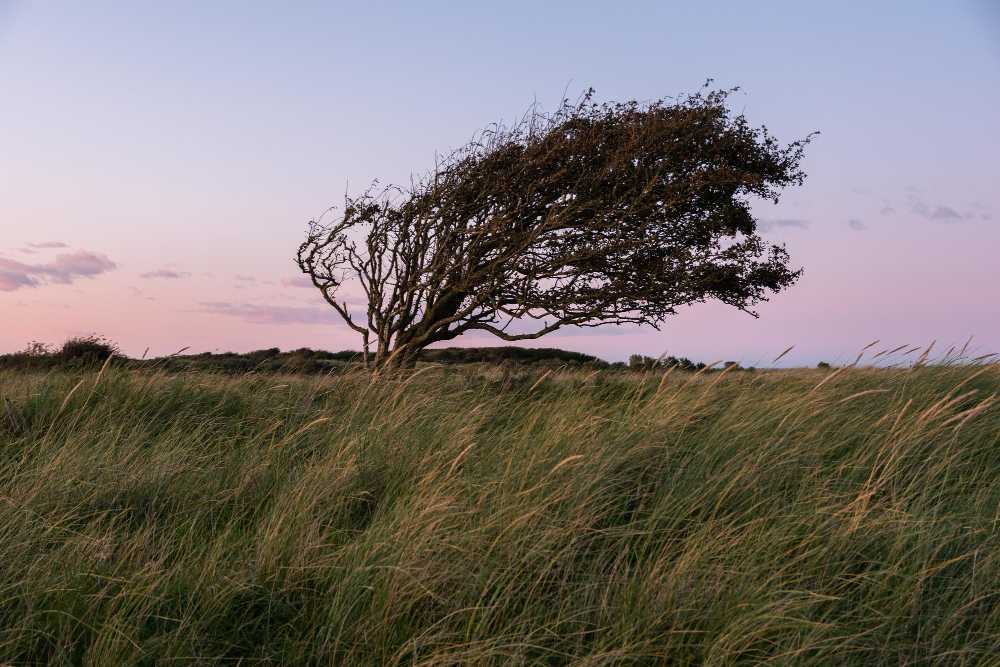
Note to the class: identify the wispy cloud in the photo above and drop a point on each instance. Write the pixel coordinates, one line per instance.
(12, 279)
(984, 212)
(246, 279)
(298, 281)
(64, 269)
(165, 273)
(265, 314)
(935, 212)
(786, 223)
(47, 244)
(857, 225)
(945, 213)
(887, 210)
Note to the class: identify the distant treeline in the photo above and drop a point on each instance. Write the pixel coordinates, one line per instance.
(306, 360)
(94, 350)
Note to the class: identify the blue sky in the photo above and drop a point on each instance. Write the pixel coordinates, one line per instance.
(186, 146)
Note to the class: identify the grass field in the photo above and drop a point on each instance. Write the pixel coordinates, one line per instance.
(475, 515)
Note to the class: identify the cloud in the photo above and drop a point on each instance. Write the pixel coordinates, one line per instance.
(857, 225)
(63, 270)
(11, 280)
(246, 279)
(264, 314)
(298, 281)
(937, 213)
(944, 213)
(887, 210)
(979, 210)
(165, 273)
(794, 223)
(919, 207)
(66, 268)
(47, 244)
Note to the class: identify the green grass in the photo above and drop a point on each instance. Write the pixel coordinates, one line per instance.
(481, 516)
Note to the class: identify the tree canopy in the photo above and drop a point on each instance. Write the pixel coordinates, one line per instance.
(595, 214)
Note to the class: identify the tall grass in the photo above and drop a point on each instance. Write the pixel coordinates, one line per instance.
(480, 516)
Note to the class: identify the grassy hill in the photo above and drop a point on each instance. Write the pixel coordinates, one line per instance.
(489, 515)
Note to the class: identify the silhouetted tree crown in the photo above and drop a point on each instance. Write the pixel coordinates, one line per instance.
(596, 214)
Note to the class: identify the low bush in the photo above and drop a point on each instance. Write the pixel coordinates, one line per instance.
(88, 349)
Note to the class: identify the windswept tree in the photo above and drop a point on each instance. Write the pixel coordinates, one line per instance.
(596, 214)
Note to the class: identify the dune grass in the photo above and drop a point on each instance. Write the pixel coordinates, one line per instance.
(480, 516)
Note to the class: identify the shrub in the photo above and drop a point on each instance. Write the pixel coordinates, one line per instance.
(640, 362)
(88, 349)
(823, 365)
(36, 349)
(269, 353)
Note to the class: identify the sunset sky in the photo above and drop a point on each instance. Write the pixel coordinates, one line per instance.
(159, 161)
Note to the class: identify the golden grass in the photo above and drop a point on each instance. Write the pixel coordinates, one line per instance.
(489, 516)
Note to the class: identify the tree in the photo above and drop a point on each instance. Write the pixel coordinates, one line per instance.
(596, 214)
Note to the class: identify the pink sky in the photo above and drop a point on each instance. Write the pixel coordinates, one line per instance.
(159, 168)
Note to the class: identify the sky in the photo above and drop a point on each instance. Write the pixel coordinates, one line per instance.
(159, 161)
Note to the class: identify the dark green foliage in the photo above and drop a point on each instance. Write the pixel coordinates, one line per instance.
(643, 363)
(36, 349)
(301, 361)
(495, 355)
(88, 349)
(307, 361)
(261, 355)
(77, 352)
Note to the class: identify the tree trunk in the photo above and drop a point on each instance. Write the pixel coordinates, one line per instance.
(398, 359)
